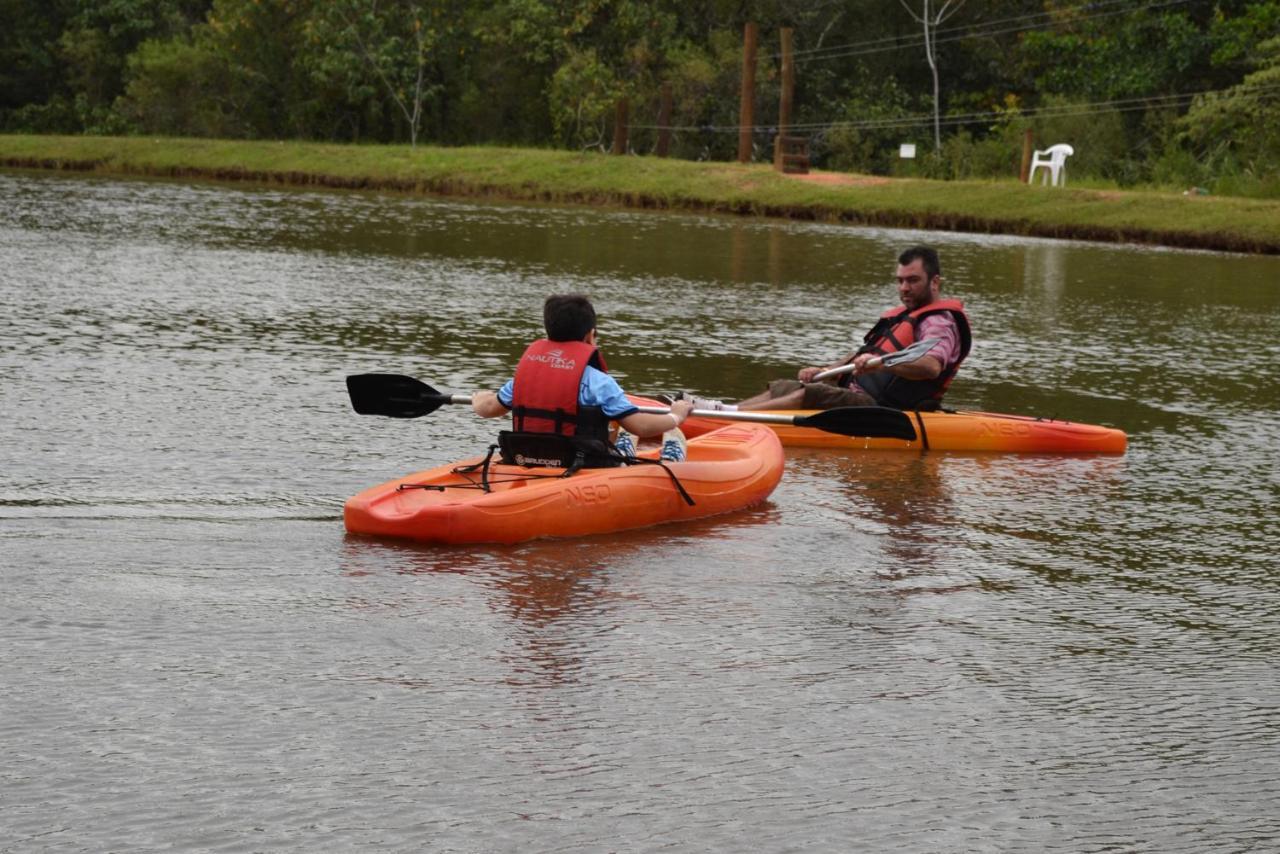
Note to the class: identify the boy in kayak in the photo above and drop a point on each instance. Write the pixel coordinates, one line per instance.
(561, 386)
(917, 384)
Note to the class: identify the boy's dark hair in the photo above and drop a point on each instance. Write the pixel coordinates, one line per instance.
(568, 317)
(928, 257)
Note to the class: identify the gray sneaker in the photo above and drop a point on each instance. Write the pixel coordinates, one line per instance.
(709, 403)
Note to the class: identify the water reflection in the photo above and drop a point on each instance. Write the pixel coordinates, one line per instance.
(906, 495)
(1045, 271)
(554, 599)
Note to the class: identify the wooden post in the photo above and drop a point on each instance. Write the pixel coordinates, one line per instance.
(746, 114)
(1028, 144)
(664, 122)
(784, 106)
(620, 126)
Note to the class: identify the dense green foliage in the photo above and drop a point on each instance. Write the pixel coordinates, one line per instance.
(1175, 93)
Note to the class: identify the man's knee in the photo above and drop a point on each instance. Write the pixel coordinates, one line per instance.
(827, 396)
(782, 388)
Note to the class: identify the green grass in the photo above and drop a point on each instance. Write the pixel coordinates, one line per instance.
(1005, 207)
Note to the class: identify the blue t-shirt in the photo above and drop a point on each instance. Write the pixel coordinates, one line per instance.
(597, 389)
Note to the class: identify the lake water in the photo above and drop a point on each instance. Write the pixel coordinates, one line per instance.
(897, 652)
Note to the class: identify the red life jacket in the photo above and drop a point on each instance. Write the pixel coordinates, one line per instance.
(544, 397)
(549, 428)
(896, 329)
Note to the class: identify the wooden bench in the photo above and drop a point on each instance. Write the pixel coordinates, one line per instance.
(791, 154)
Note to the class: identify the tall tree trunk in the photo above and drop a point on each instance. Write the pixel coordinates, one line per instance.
(933, 67)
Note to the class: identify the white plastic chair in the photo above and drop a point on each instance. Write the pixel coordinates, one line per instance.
(1054, 161)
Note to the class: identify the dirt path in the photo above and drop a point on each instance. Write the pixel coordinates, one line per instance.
(841, 179)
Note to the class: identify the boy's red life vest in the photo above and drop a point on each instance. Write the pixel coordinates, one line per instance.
(897, 328)
(544, 396)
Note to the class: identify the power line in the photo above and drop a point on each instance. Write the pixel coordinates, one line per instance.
(1093, 108)
(955, 34)
(896, 39)
(1119, 105)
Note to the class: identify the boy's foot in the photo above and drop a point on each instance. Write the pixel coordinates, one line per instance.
(673, 446)
(625, 445)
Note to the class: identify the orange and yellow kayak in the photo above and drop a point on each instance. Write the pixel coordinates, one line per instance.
(962, 431)
(727, 468)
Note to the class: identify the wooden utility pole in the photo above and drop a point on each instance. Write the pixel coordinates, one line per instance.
(746, 115)
(664, 122)
(620, 112)
(784, 106)
(1028, 145)
(790, 153)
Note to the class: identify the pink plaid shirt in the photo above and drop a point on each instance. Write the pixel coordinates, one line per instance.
(943, 327)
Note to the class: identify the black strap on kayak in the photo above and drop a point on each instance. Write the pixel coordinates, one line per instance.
(484, 483)
(688, 499)
(642, 461)
(483, 464)
(572, 469)
(484, 468)
(924, 435)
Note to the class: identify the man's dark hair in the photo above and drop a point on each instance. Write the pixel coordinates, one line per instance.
(568, 317)
(928, 258)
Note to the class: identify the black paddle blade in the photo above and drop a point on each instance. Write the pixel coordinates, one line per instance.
(876, 422)
(393, 395)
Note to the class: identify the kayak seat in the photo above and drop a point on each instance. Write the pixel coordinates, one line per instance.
(554, 450)
(571, 453)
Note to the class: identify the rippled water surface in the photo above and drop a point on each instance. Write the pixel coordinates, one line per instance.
(897, 652)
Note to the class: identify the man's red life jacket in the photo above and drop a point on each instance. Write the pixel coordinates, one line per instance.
(896, 329)
(544, 397)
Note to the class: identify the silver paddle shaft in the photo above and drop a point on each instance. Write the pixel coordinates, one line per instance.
(906, 354)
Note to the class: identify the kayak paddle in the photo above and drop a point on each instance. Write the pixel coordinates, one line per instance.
(906, 354)
(397, 396)
(876, 422)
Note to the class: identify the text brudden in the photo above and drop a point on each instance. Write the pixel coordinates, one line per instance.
(555, 462)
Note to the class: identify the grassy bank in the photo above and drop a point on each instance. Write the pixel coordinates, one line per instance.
(1006, 207)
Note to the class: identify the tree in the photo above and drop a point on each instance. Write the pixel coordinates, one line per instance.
(262, 44)
(582, 96)
(1244, 117)
(610, 49)
(395, 41)
(931, 21)
(182, 88)
(30, 72)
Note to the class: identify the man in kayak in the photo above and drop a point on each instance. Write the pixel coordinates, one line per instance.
(917, 384)
(561, 386)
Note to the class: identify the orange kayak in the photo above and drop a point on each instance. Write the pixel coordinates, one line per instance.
(728, 468)
(963, 431)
